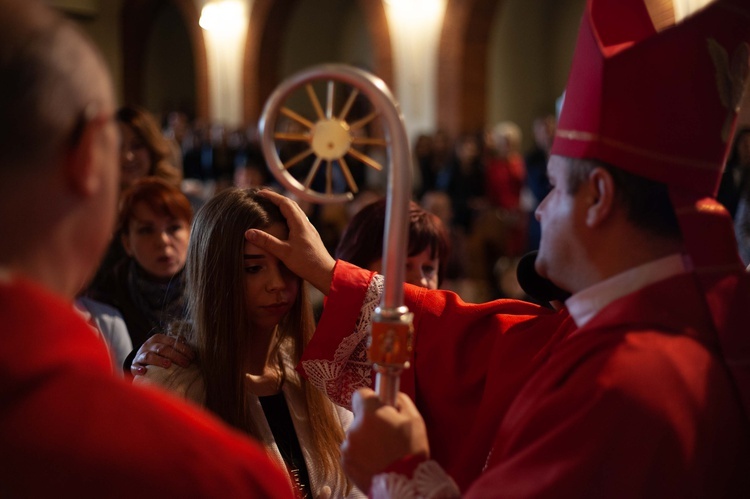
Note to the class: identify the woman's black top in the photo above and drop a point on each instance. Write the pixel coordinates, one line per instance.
(280, 421)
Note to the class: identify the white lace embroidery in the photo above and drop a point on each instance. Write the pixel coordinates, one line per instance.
(349, 370)
(430, 481)
(392, 485)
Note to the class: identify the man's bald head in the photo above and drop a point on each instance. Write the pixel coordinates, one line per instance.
(58, 148)
(51, 81)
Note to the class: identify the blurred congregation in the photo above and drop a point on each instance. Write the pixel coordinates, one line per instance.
(482, 186)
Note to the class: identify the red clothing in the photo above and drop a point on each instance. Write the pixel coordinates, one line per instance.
(68, 426)
(505, 179)
(469, 362)
(636, 403)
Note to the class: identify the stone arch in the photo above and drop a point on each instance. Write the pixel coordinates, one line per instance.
(136, 19)
(463, 65)
(268, 23)
(380, 34)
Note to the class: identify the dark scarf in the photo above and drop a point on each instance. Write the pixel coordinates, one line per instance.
(160, 302)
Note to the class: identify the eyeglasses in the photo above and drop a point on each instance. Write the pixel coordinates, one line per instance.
(90, 114)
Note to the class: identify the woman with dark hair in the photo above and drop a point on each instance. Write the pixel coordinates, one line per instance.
(249, 320)
(144, 151)
(147, 286)
(361, 243)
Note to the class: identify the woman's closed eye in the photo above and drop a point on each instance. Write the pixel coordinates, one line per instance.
(253, 269)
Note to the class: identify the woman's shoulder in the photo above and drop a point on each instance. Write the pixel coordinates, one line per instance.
(185, 382)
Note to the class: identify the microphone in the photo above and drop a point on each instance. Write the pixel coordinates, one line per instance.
(534, 285)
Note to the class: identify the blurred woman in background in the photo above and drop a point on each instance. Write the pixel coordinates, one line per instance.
(145, 151)
(361, 243)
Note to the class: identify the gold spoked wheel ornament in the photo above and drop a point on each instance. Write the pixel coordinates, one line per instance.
(319, 139)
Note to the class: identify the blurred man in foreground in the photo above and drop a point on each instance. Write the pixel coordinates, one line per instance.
(67, 426)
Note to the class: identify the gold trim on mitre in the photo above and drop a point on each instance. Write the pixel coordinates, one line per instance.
(592, 137)
(702, 207)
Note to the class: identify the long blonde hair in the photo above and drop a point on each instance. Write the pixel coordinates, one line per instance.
(220, 329)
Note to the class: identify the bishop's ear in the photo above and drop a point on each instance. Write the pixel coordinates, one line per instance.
(601, 199)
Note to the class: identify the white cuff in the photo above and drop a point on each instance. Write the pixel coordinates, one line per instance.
(430, 481)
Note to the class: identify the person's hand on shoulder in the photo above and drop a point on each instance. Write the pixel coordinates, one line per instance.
(161, 350)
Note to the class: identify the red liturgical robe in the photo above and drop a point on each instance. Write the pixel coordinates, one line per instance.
(518, 402)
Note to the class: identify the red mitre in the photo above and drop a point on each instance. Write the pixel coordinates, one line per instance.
(663, 105)
(660, 105)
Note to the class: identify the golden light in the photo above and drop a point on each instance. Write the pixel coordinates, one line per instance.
(225, 24)
(415, 10)
(227, 16)
(415, 27)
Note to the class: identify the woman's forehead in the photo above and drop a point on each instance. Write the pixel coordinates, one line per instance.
(278, 230)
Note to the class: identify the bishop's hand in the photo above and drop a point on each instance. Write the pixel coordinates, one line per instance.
(381, 435)
(303, 252)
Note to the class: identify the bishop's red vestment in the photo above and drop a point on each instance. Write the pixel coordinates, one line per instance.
(520, 402)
